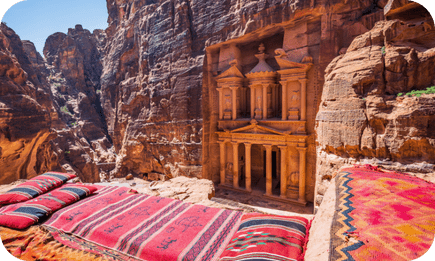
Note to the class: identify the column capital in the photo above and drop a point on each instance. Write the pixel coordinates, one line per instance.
(235, 143)
(234, 88)
(282, 147)
(223, 141)
(247, 144)
(303, 80)
(267, 146)
(219, 89)
(300, 149)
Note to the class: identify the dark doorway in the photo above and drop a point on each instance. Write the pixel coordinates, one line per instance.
(273, 164)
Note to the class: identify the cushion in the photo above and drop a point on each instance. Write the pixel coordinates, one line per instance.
(268, 237)
(35, 187)
(31, 211)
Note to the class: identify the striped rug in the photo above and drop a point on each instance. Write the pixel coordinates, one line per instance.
(148, 227)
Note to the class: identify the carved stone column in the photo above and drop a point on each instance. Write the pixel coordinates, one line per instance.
(268, 169)
(252, 90)
(235, 164)
(222, 161)
(302, 169)
(264, 101)
(283, 171)
(221, 103)
(248, 166)
(284, 100)
(303, 99)
(234, 102)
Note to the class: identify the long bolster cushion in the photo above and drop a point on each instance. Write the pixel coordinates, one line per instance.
(35, 187)
(29, 213)
(268, 237)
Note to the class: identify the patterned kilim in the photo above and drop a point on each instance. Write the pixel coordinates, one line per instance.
(73, 242)
(35, 243)
(148, 227)
(382, 216)
(266, 237)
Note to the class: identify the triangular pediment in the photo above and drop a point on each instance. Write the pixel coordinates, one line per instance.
(232, 72)
(254, 128)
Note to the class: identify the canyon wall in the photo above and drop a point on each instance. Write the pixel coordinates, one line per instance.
(140, 96)
(156, 91)
(26, 111)
(50, 117)
(368, 113)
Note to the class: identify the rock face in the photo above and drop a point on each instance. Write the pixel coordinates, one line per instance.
(155, 83)
(26, 111)
(138, 98)
(50, 114)
(74, 65)
(365, 114)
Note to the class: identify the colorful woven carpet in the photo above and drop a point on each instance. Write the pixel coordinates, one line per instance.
(147, 227)
(36, 243)
(382, 216)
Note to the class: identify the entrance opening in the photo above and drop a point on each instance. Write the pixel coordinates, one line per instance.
(273, 164)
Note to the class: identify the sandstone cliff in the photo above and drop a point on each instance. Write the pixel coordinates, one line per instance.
(74, 65)
(50, 115)
(26, 111)
(365, 115)
(155, 83)
(139, 97)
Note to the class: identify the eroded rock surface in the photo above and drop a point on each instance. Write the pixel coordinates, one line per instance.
(365, 114)
(74, 65)
(155, 90)
(26, 111)
(50, 114)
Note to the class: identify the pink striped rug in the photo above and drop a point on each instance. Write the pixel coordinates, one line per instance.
(148, 227)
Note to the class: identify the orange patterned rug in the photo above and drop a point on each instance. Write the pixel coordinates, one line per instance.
(382, 216)
(37, 243)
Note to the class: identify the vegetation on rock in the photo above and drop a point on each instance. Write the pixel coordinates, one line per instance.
(418, 93)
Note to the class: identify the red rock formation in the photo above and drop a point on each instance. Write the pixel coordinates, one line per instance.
(26, 111)
(155, 90)
(74, 61)
(364, 115)
(50, 115)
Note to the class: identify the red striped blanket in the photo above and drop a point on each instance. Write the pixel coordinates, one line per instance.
(148, 227)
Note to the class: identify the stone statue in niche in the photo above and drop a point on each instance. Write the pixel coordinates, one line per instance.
(269, 100)
(227, 106)
(258, 111)
(293, 185)
(229, 172)
(261, 48)
(293, 112)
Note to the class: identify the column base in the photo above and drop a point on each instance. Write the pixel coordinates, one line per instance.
(229, 187)
(286, 200)
(302, 201)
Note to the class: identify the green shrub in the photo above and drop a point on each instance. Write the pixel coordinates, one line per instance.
(429, 90)
(65, 110)
(383, 50)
